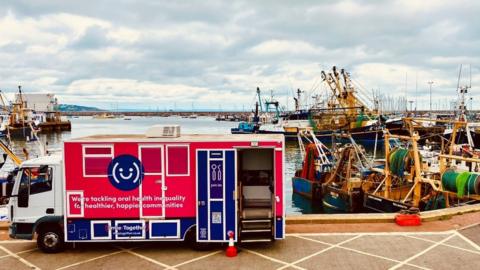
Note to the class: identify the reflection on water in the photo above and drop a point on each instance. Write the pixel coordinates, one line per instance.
(85, 126)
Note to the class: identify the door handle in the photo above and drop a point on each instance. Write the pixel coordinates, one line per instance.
(201, 203)
(164, 188)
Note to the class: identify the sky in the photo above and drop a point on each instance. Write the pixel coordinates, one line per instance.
(206, 54)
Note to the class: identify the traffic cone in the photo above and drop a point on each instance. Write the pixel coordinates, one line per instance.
(231, 250)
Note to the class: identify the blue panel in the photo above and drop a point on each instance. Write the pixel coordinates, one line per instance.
(101, 229)
(78, 229)
(216, 154)
(165, 229)
(186, 224)
(129, 229)
(216, 221)
(279, 228)
(230, 215)
(216, 179)
(202, 185)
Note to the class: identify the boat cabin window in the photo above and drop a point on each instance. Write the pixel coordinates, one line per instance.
(178, 161)
(96, 159)
(33, 181)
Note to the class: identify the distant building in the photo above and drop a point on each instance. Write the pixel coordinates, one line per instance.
(39, 102)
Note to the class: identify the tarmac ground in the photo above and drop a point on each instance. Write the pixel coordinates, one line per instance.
(451, 249)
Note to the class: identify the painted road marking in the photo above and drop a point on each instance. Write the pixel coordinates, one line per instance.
(339, 245)
(195, 259)
(143, 257)
(473, 244)
(372, 233)
(29, 264)
(286, 264)
(447, 245)
(20, 252)
(422, 252)
(90, 260)
(319, 252)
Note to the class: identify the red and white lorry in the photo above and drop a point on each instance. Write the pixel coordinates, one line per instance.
(161, 186)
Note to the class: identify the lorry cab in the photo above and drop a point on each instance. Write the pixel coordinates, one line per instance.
(36, 202)
(161, 186)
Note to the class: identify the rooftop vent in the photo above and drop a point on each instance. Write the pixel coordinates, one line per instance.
(163, 131)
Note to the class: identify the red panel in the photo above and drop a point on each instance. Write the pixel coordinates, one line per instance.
(98, 150)
(96, 165)
(74, 201)
(177, 160)
(152, 160)
(278, 169)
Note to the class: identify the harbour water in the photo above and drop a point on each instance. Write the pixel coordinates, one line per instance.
(84, 126)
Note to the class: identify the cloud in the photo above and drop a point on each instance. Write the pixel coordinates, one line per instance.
(214, 52)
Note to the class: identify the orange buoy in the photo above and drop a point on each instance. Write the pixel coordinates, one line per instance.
(231, 250)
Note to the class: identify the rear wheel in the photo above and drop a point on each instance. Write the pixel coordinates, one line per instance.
(191, 240)
(50, 240)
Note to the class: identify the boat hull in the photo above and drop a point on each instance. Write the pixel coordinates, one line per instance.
(383, 205)
(336, 200)
(311, 190)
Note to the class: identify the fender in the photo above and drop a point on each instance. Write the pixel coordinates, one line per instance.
(47, 219)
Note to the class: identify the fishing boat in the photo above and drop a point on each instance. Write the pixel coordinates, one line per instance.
(260, 119)
(316, 167)
(342, 192)
(409, 181)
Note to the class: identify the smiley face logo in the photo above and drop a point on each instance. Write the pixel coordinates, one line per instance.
(125, 172)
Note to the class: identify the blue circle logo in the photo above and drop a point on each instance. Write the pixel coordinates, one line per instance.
(125, 172)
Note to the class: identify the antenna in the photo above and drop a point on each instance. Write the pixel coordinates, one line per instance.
(416, 90)
(459, 75)
(470, 68)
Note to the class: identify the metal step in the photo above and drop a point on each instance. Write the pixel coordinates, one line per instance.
(255, 230)
(257, 224)
(256, 240)
(256, 220)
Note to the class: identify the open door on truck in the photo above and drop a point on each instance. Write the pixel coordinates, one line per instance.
(216, 192)
(256, 174)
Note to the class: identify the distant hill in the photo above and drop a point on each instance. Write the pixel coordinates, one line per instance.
(76, 108)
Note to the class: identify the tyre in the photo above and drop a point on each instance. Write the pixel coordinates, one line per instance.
(50, 240)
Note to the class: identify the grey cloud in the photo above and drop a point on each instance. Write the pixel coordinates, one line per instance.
(95, 37)
(214, 50)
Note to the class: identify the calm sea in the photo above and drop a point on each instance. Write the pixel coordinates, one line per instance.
(84, 126)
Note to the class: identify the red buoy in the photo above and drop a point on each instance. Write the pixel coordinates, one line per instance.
(231, 250)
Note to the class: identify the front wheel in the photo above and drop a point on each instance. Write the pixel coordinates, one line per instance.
(50, 241)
